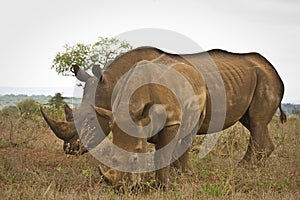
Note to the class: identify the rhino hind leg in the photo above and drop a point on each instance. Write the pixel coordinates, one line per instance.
(264, 103)
(260, 143)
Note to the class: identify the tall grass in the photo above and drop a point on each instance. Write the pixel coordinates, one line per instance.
(33, 166)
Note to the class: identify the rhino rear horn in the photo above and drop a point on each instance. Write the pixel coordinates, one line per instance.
(68, 113)
(97, 71)
(63, 130)
(80, 74)
(104, 113)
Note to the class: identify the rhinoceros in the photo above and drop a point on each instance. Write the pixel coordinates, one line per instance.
(250, 85)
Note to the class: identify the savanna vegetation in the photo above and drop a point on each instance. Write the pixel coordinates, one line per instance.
(33, 165)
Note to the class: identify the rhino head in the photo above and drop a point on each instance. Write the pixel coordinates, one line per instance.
(66, 131)
(128, 143)
(78, 131)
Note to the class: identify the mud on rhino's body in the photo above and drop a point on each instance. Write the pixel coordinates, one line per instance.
(252, 86)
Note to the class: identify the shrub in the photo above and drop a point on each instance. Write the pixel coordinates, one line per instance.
(29, 108)
(10, 111)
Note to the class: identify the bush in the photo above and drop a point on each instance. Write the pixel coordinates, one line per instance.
(10, 111)
(29, 108)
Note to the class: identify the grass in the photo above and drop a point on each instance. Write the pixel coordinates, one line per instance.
(33, 166)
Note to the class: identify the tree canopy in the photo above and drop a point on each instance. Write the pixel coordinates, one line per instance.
(57, 100)
(87, 55)
(28, 108)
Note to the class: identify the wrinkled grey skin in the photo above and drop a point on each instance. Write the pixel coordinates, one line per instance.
(253, 88)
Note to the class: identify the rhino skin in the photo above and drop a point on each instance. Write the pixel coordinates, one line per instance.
(253, 92)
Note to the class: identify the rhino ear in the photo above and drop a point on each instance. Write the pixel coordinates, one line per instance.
(68, 113)
(97, 71)
(80, 74)
(104, 113)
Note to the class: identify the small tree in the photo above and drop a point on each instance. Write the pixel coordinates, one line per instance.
(10, 111)
(29, 108)
(57, 100)
(86, 55)
(9, 117)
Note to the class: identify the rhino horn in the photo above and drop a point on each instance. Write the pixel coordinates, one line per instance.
(104, 113)
(80, 74)
(97, 71)
(63, 130)
(68, 113)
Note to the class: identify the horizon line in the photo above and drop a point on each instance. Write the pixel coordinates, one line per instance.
(67, 91)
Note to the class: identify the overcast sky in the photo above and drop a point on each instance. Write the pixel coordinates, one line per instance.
(33, 31)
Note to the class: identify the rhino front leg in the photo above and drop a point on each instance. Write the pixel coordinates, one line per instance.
(163, 155)
(183, 163)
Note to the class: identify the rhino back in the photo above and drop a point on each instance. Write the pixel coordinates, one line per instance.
(244, 75)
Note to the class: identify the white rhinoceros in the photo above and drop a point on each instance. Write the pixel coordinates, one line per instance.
(198, 94)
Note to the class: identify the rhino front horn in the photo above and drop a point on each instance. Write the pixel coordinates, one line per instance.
(63, 130)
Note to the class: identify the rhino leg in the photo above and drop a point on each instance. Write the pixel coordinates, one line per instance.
(164, 157)
(183, 163)
(260, 144)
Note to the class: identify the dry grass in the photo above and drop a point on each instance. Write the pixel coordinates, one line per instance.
(38, 169)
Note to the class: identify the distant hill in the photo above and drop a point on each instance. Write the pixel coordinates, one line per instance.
(290, 108)
(12, 100)
(68, 92)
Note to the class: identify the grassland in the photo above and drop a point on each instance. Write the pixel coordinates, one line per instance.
(33, 166)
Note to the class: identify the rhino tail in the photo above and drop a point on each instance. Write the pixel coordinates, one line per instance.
(283, 117)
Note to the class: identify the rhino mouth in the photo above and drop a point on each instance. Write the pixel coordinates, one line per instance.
(118, 178)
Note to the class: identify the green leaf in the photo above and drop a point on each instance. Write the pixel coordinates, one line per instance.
(86, 55)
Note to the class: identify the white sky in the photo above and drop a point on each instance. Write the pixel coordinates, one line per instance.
(33, 31)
